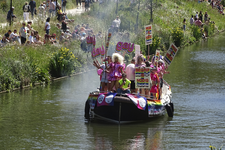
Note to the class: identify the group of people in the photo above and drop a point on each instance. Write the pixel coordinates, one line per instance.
(115, 76)
(217, 4)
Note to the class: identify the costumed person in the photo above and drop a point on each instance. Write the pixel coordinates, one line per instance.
(117, 70)
(154, 93)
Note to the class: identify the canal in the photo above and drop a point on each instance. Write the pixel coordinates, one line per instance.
(52, 116)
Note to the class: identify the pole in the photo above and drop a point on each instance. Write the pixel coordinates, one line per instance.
(117, 7)
(10, 23)
(151, 20)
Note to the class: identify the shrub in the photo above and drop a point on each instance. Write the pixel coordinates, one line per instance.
(62, 63)
(196, 32)
(177, 36)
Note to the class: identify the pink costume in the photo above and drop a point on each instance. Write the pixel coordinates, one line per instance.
(154, 87)
(115, 73)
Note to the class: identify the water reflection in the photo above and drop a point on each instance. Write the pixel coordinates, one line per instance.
(144, 135)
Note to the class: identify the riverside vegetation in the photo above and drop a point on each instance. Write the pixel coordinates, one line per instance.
(26, 65)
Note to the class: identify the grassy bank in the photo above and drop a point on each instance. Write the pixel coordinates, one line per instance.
(18, 4)
(20, 66)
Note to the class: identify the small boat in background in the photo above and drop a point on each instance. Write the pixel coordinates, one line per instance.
(127, 108)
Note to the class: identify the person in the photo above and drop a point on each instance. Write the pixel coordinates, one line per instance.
(31, 38)
(23, 33)
(192, 20)
(37, 39)
(83, 41)
(124, 85)
(47, 7)
(52, 8)
(32, 8)
(200, 16)
(59, 14)
(67, 34)
(140, 63)
(10, 15)
(196, 16)
(26, 10)
(184, 24)
(41, 12)
(78, 1)
(206, 16)
(155, 81)
(47, 26)
(117, 70)
(130, 69)
(64, 5)
(198, 23)
(116, 24)
(14, 37)
(64, 24)
(53, 38)
(86, 5)
(7, 35)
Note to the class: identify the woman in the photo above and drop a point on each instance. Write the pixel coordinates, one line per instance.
(116, 70)
(140, 63)
(47, 26)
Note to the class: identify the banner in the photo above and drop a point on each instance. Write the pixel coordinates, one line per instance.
(157, 55)
(155, 107)
(98, 52)
(137, 51)
(106, 99)
(90, 40)
(128, 47)
(142, 77)
(172, 51)
(139, 101)
(148, 34)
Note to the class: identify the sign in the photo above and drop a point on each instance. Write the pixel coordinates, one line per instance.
(148, 34)
(142, 77)
(91, 40)
(98, 52)
(128, 47)
(172, 51)
(157, 55)
(137, 52)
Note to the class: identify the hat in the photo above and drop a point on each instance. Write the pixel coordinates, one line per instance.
(67, 30)
(161, 61)
(12, 7)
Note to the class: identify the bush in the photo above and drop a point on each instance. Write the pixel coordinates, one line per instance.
(62, 63)
(177, 36)
(196, 32)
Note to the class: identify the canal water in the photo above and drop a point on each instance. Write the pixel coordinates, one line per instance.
(52, 116)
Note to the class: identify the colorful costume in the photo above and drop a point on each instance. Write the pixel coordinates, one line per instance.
(115, 73)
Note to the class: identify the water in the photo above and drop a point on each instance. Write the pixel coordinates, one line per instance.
(52, 117)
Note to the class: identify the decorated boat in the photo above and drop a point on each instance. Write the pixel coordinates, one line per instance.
(127, 108)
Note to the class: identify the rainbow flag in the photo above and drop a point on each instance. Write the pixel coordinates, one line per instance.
(92, 100)
(155, 107)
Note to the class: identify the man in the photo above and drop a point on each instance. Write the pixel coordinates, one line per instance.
(130, 69)
(23, 34)
(41, 12)
(32, 8)
(14, 36)
(116, 24)
(26, 10)
(10, 15)
(7, 35)
(192, 20)
(124, 85)
(52, 8)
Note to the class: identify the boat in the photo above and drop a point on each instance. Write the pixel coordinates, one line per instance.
(127, 108)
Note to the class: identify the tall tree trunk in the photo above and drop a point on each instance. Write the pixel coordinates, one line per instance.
(138, 15)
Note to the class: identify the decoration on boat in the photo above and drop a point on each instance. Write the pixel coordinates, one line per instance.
(155, 107)
(148, 34)
(98, 52)
(127, 47)
(138, 100)
(92, 100)
(106, 99)
(172, 51)
(142, 77)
